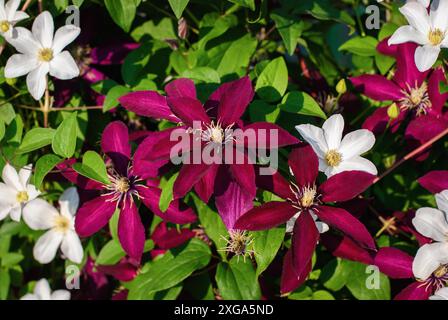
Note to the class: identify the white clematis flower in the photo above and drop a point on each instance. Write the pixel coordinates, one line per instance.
(16, 191)
(41, 53)
(427, 30)
(42, 291)
(9, 16)
(432, 223)
(336, 154)
(441, 294)
(423, 2)
(40, 215)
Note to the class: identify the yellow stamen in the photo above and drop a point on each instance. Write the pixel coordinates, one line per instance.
(45, 55)
(4, 26)
(441, 271)
(22, 197)
(308, 196)
(436, 37)
(62, 223)
(333, 158)
(122, 185)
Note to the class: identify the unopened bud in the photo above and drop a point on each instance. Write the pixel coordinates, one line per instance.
(341, 87)
(182, 28)
(393, 111)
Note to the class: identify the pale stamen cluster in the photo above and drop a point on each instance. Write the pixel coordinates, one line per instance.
(306, 198)
(416, 98)
(122, 187)
(238, 243)
(437, 280)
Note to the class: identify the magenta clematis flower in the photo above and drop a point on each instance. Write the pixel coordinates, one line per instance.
(435, 181)
(305, 203)
(416, 93)
(232, 184)
(125, 187)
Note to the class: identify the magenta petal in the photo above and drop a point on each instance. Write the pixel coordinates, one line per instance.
(406, 72)
(394, 263)
(112, 54)
(181, 88)
(304, 165)
(377, 87)
(176, 212)
(115, 143)
(345, 248)
(384, 48)
(415, 291)
(234, 100)
(94, 215)
(122, 271)
(345, 186)
(244, 175)
(274, 183)
(435, 181)
(424, 128)
(438, 100)
(131, 232)
(188, 110)
(189, 175)
(148, 104)
(291, 279)
(347, 224)
(304, 241)
(74, 177)
(267, 216)
(205, 187)
(166, 238)
(259, 136)
(378, 121)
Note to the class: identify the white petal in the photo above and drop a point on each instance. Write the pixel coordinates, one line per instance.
(11, 8)
(355, 163)
(442, 201)
(426, 56)
(46, 247)
(333, 128)
(69, 202)
(39, 215)
(16, 213)
(25, 174)
(19, 16)
(11, 178)
(61, 295)
(441, 294)
(63, 66)
(431, 223)
(424, 3)
(43, 29)
(4, 210)
(428, 259)
(36, 81)
(24, 42)
(30, 296)
(322, 227)
(417, 16)
(64, 36)
(356, 143)
(19, 65)
(42, 289)
(315, 137)
(407, 34)
(7, 194)
(71, 247)
(439, 9)
(33, 193)
(2, 10)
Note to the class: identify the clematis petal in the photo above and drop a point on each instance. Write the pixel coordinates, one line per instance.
(205, 187)
(188, 110)
(42, 289)
(304, 241)
(94, 214)
(304, 165)
(377, 87)
(442, 201)
(273, 182)
(428, 258)
(181, 88)
(264, 135)
(11, 177)
(40, 215)
(11, 8)
(115, 143)
(290, 279)
(406, 34)
(406, 72)
(315, 137)
(394, 263)
(19, 65)
(441, 294)
(431, 223)
(417, 16)
(69, 202)
(267, 216)
(189, 175)
(333, 128)
(131, 232)
(71, 247)
(424, 128)
(25, 42)
(36, 80)
(19, 16)
(45, 249)
(63, 66)
(61, 295)
(437, 14)
(25, 174)
(64, 36)
(426, 56)
(345, 186)
(438, 100)
(355, 164)
(244, 175)
(167, 239)
(435, 181)
(43, 29)
(346, 223)
(356, 143)
(345, 248)
(414, 291)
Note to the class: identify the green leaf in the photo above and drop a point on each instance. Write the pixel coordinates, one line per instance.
(237, 280)
(245, 3)
(260, 110)
(236, 58)
(113, 224)
(112, 96)
(111, 253)
(10, 259)
(64, 140)
(5, 281)
(43, 166)
(2, 129)
(301, 103)
(203, 74)
(290, 30)
(322, 295)
(273, 80)
(35, 139)
(335, 274)
(14, 131)
(169, 270)
(7, 113)
(167, 193)
(361, 46)
(266, 245)
(178, 7)
(92, 167)
(122, 12)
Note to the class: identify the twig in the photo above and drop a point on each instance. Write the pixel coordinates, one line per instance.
(26, 5)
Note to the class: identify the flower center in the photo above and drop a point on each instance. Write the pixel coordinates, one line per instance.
(436, 37)
(305, 197)
(333, 158)
(308, 195)
(214, 133)
(416, 98)
(4, 26)
(22, 197)
(45, 55)
(441, 271)
(122, 185)
(62, 223)
(238, 243)
(437, 280)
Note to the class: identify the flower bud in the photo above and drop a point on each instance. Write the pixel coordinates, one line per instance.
(341, 87)
(393, 111)
(182, 28)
